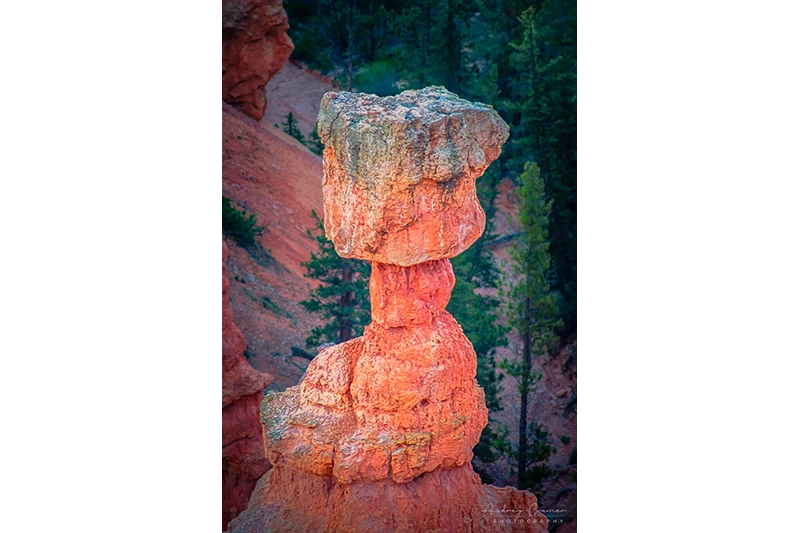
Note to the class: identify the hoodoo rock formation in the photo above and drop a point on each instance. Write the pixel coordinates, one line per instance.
(400, 173)
(254, 47)
(378, 436)
(243, 461)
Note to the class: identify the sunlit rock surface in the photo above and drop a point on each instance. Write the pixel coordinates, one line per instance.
(400, 173)
(402, 296)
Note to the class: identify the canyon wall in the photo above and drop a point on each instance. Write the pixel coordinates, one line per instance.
(243, 461)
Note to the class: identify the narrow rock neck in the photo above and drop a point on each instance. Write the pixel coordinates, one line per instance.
(405, 296)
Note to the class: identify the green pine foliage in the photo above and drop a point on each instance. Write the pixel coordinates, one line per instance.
(314, 143)
(330, 34)
(531, 260)
(290, 127)
(478, 316)
(344, 304)
(539, 449)
(239, 224)
(380, 77)
(544, 100)
(432, 43)
(538, 452)
(533, 313)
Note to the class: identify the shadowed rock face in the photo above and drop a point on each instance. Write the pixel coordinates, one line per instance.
(400, 173)
(379, 434)
(243, 460)
(254, 47)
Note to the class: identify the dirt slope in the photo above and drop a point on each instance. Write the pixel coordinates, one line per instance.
(279, 180)
(299, 90)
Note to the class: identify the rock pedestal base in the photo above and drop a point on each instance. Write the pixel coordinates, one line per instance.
(451, 500)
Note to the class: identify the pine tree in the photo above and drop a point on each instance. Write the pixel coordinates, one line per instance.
(543, 101)
(290, 127)
(342, 296)
(314, 143)
(533, 313)
(431, 43)
(240, 225)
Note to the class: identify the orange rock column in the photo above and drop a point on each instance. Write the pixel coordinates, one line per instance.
(379, 434)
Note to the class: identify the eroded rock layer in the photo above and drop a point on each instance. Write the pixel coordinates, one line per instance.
(379, 434)
(445, 500)
(243, 461)
(400, 173)
(393, 404)
(254, 47)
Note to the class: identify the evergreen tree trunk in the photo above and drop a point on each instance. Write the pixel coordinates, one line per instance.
(346, 326)
(426, 43)
(523, 408)
(454, 45)
(350, 10)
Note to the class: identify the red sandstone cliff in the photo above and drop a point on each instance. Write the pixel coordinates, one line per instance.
(243, 461)
(254, 47)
